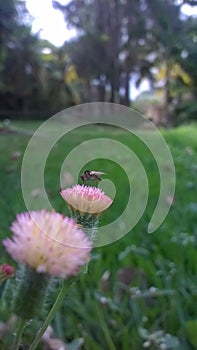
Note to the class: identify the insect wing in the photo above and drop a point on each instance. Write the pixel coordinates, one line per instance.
(97, 173)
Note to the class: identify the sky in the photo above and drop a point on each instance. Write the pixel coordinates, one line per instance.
(52, 26)
(48, 21)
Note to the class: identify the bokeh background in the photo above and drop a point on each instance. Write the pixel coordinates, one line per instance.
(139, 292)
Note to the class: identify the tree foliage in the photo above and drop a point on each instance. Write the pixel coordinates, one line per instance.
(117, 41)
(110, 44)
(29, 79)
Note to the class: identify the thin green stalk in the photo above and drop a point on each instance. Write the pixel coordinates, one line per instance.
(50, 316)
(105, 330)
(19, 332)
(58, 325)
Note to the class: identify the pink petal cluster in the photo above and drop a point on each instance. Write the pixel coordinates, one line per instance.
(86, 199)
(6, 270)
(49, 243)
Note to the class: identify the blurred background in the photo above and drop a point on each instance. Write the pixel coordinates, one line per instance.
(139, 292)
(139, 53)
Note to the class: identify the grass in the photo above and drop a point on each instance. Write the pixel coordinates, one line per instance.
(161, 267)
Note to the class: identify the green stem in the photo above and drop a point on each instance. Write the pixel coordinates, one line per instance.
(105, 330)
(19, 332)
(50, 316)
(30, 293)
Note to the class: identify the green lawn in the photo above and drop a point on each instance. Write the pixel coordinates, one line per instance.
(161, 294)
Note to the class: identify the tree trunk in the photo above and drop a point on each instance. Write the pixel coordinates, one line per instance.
(101, 89)
(167, 99)
(127, 90)
(114, 81)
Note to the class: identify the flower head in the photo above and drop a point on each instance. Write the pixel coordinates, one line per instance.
(49, 243)
(6, 271)
(86, 199)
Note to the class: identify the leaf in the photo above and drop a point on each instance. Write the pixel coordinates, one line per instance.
(191, 326)
(76, 344)
(144, 334)
(136, 250)
(171, 342)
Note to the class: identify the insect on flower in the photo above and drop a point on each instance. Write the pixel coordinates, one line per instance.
(91, 175)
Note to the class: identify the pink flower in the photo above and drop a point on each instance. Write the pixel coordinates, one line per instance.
(49, 243)
(86, 199)
(6, 271)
